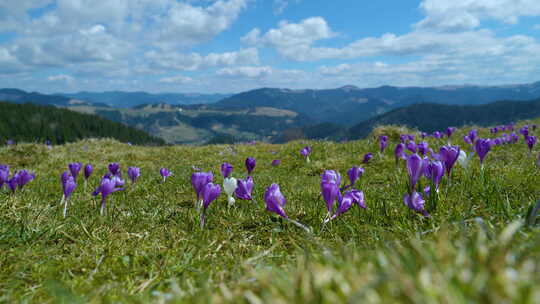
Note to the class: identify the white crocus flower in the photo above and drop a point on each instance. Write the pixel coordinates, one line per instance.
(463, 159)
(229, 185)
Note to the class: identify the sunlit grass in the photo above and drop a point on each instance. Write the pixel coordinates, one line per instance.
(477, 246)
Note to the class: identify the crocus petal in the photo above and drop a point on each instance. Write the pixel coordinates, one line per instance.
(275, 201)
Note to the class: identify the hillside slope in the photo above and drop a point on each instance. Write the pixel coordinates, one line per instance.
(349, 105)
(120, 99)
(30, 122)
(430, 117)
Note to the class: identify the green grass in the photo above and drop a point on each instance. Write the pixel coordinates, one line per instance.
(476, 248)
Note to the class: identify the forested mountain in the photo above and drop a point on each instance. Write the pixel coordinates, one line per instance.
(30, 122)
(350, 105)
(197, 124)
(431, 117)
(119, 99)
(345, 106)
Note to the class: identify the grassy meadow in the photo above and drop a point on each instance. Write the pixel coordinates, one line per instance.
(478, 246)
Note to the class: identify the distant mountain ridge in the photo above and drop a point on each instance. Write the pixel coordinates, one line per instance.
(349, 104)
(120, 99)
(429, 117)
(20, 96)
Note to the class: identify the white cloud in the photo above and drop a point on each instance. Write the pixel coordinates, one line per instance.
(293, 42)
(176, 79)
(94, 31)
(291, 35)
(246, 71)
(185, 24)
(62, 78)
(467, 14)
(335, 70)
(195, 61)
(13, 13)
(280, 5)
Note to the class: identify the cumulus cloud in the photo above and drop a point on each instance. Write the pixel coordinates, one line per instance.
(280, 5)
(180, 79)
(246, 71)
(73, 32)
(297, 41)
(291, 35)
(195, 61)
(61, 77)
(467, 14)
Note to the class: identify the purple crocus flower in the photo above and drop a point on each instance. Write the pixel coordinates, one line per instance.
(423, 147)
(275, 201)
(88, 171)
(354, 174)
(209, 193)
(423, 135)
(305, 151)
(415, 202)
(473, 135)
(330, 182)
(114, 168)
(494, 130)
(383, 142)
(68, 186)
(435, 172)
(482, 147)
(449, 156)
(164, 173)
(514, 137)
(4, 175)
(367, 157)
(276, 162)
(134, 173)
(64, 177)
(118, 181)
(12, 184)
(415, 169)
(23, 177)
(531, 141)
(437, 134)
(75, 168)
(226, 169)
(399, 152)
(411, 146)
(106, 187)
(349, 198)
(10, 142)
(524, 130)
(331, 176)
(330, 192)
(427, 190)
(467, 139)
(449, 131)
(403, 138)
(250, 164)
(244, 188)
(199, 180)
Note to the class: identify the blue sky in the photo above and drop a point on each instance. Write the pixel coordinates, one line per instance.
(235, 45)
